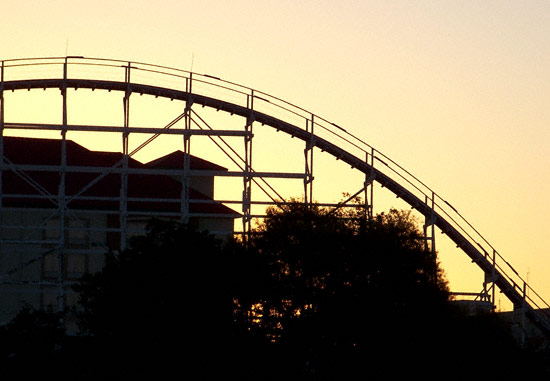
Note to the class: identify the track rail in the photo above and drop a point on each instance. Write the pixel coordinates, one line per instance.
(260, 107)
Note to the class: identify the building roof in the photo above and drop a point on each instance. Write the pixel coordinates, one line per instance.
(146, 192)
(175, 160)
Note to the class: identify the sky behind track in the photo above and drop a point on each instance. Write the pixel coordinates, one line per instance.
(457, 92)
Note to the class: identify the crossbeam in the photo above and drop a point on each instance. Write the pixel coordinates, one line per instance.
(118, 129)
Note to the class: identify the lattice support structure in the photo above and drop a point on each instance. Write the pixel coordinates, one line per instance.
(318, 135)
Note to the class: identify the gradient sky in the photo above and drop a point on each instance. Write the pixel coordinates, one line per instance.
(457, 92)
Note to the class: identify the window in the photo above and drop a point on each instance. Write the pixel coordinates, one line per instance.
(76, 239)
(51, 229)
(77, 233)
(50, 265)
(75, 265)
(49, 298)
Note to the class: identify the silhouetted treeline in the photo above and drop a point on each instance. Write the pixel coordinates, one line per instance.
(314, 294)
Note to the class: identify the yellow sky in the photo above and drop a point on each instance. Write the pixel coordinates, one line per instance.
(457, 92)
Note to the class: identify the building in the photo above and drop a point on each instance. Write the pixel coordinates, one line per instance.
(45, 248)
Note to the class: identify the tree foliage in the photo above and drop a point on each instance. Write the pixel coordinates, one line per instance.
(31, 341)
(316, 293)
(162, 301)
(341, 287)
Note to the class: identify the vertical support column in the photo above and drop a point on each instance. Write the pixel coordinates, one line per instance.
(493, 277)
(308, 155)
(429, 226)
(124, 174)
(186, 177)
(61, 200)
(1, 147)
(490, 278)
(369, 186)
(523, 312)
(247, 179)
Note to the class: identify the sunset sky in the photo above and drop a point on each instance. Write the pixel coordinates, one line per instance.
(457, 92)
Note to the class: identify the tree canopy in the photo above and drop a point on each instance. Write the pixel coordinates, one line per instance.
(314, 293)
(340, 288)
(163, 297)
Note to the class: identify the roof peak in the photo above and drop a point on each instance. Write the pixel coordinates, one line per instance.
(175, 160)
(41, 150)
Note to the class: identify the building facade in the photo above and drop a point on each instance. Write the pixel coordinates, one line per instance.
(64, 206)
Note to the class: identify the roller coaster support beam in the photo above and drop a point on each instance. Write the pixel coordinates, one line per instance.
(308, 156)
(429, 225)
(185, 180)
(369, 186)
(1, 139)
(61, 199)
(247, 178)
(125, 155)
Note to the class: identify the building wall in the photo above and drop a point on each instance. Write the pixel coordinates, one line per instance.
(29, 244)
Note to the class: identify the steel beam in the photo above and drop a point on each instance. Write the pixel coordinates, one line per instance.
(124, 173)
(429, 225)
(61, 200)
(1, 146)
(369, 186)
(186, 174)
(247, 178)
(117, 129)
(308, 161)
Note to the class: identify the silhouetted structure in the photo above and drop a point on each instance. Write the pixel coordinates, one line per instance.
(253, 109)
(38, 242)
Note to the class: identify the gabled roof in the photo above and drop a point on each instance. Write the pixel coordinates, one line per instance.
(174, 160)
(147, 187)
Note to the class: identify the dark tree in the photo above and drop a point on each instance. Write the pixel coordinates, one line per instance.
(351, 298)
(161, 304)
(342, 287)
(31, 342)
(315, 294)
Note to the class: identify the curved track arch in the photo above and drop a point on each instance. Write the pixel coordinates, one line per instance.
(257, 107)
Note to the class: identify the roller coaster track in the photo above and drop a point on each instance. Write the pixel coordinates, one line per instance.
(315, 131)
